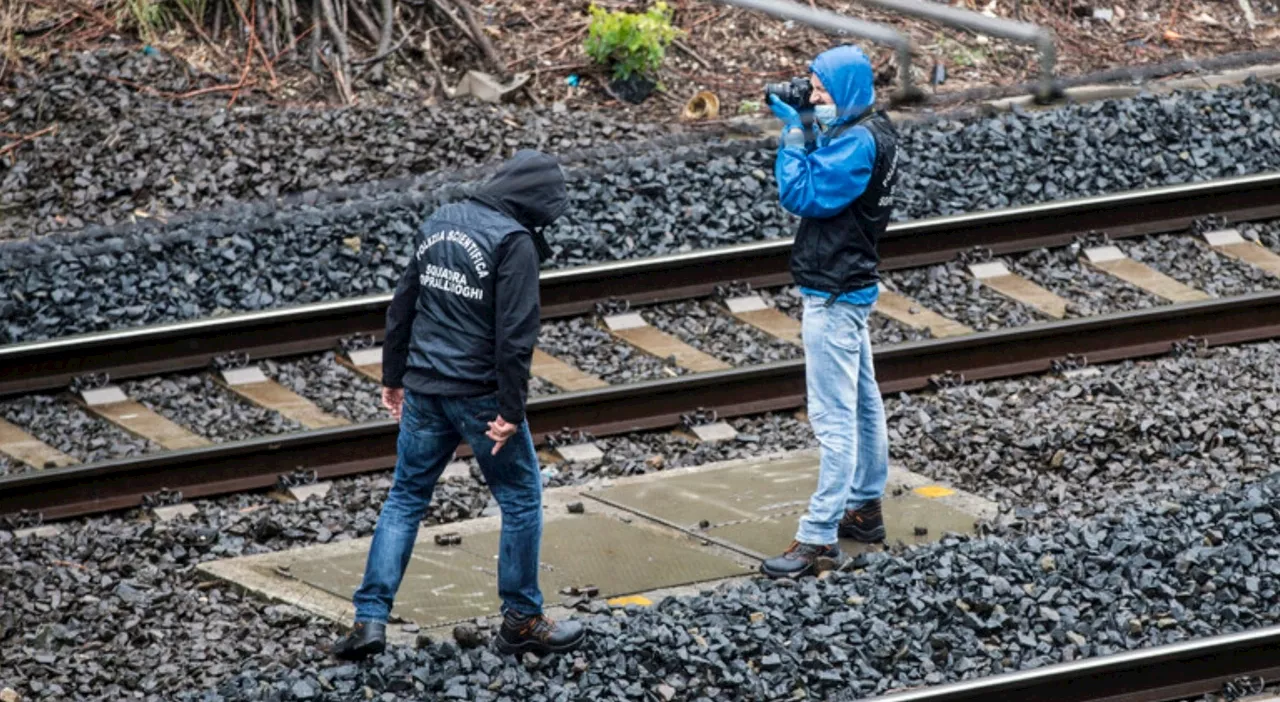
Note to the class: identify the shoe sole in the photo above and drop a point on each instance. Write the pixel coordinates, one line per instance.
(540, 649)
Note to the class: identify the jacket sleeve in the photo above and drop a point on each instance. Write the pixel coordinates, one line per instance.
(395, 348)
(822, 183)
(517, 311)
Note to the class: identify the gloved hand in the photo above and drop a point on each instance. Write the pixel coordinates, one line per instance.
(788, 114)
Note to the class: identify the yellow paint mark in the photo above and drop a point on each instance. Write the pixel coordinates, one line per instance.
(630, 600)
(933, 491)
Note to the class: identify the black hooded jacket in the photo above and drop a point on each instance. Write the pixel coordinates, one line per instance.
(464, 318)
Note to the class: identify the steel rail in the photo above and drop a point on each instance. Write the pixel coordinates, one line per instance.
(49, 365)
(1178, 671)
(204, 472)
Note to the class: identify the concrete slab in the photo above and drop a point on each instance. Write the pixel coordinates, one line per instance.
(752, 507)
(40, 532)
(243, 376)
(108, 395)
(580, 453)
(714, 432)
(169, 513)
(301, 493)
(622, 551)
(747, 303)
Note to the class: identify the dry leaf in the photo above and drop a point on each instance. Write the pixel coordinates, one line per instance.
(1204, 18)
(1119, 12)
(1170, 35)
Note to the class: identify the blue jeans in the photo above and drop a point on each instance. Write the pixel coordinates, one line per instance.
(847, 414)
(431, 428)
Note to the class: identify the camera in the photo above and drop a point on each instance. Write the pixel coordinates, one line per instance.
(794, 92)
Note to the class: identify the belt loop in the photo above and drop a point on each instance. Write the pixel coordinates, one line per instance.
(831, 301)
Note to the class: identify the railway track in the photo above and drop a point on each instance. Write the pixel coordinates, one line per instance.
(344, 450)
(1160, 674)
(52, 364)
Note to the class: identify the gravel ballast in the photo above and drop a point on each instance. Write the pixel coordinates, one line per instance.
(962, 608)
(670, 200)
(119, 153)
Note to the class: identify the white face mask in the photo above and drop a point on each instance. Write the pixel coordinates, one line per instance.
(824, 114)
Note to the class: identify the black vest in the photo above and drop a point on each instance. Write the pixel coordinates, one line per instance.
(454, 325)
(838, 254)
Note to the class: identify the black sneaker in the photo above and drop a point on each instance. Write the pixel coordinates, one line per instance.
(803, 559)
(538, 634)
(864, 524)
(366, 639)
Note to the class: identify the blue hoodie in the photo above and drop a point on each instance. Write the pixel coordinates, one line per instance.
(824, 182)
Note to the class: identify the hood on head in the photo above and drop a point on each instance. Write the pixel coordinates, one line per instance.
(529, 188)
(847, 75)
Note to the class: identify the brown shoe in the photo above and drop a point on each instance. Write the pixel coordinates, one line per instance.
(864, 524)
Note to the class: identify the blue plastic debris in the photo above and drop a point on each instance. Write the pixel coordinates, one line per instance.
(149, 50)
(572, 80)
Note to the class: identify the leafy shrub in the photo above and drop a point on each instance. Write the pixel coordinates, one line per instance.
(632, 43)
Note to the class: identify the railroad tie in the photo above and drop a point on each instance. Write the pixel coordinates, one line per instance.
(366, 362)
(905, 310)
(633, 329)
(753, 310)
(1230, 243)
(251, 384)
(561, 374)
(1114, 262)
(995, 275)
(25, 448)
(113, 405)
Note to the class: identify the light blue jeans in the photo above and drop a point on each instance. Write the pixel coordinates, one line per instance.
(847, 414)
(430, 429)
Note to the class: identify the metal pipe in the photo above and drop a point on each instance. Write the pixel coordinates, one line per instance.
(1021, 32)
(839, 24)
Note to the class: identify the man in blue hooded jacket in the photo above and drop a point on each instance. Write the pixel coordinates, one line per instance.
(842, 188)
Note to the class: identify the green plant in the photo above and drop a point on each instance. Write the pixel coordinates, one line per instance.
(633, 43)
(149, 16)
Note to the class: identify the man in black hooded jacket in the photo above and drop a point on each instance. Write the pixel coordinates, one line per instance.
(455, 366)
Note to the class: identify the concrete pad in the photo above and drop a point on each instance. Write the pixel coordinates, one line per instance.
(169, 513)
(39, 532)
(366, 357)
(1223, 237)
(1100, 254)
(108, 395)
(317, 490)
(718, 431)
(580, 453)
(624, 551)
(753, 506)
(630, 320)
(243, 376)
(749, 303)
(992, 269)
